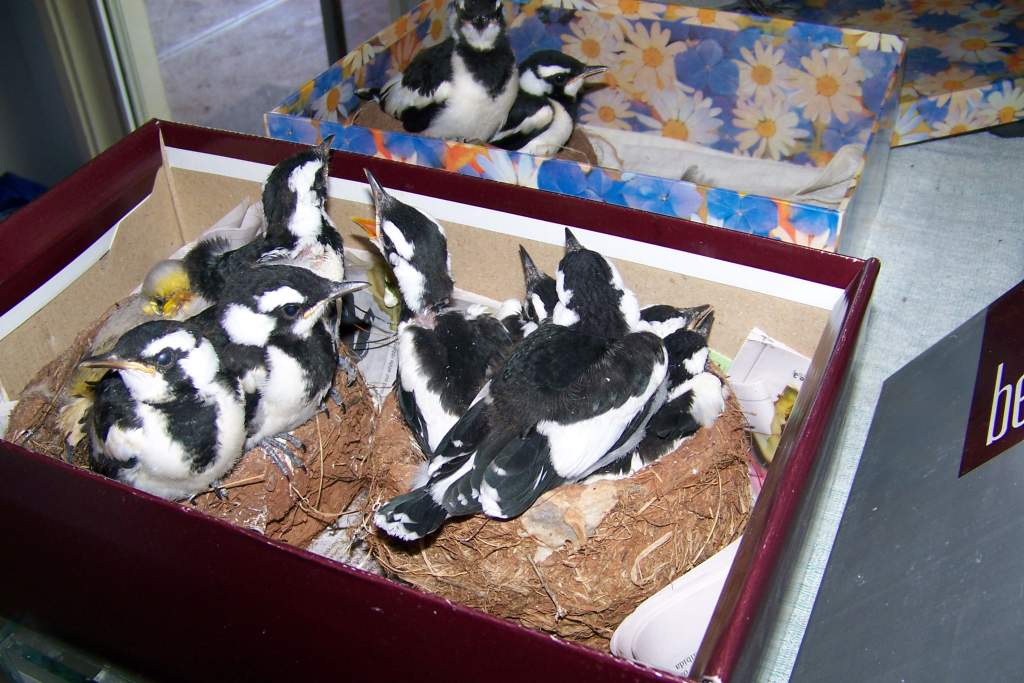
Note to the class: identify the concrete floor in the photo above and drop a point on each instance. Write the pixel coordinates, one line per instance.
(224, 64)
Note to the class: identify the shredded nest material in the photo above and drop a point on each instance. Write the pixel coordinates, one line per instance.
(259, 497)
(370, 115)
(584, 556)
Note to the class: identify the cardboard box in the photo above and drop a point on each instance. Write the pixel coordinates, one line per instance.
(158, 587)
(734, 108)
(965, 60)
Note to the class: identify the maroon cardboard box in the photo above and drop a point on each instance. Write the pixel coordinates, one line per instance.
(166, 590)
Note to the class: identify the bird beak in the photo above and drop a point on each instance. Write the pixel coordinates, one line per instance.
(367, 224)
(571, 243)
(530, 271)
(587, 73)
(109, 360)
(381, 199)
(703, 321)
(338, 289)
(324, 148)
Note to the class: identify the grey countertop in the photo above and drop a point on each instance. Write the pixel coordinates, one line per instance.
(950, 235)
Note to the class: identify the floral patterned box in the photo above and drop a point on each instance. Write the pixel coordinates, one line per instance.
(965, 60)
(787, 124)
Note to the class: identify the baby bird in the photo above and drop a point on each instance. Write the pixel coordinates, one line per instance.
(696, 396)
(444, 355)
(542, 117)
(165, 419)
(299, 232)
(538, 302)
(575, 395)
(461, 88)
(268, 327)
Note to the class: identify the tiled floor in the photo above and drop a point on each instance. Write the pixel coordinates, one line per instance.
(226, 63)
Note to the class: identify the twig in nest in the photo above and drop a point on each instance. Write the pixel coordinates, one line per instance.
(635, 574)
(559, 610)
(320, 439)
(714, 524)
(234, 484)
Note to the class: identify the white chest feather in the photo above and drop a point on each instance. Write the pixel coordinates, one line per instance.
(554, 136)
(470, 113)
(283, 404)
(414, 381)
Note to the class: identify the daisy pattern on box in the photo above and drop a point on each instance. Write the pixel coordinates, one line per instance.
(594, 41)
(954, 7)
(648, 59)
(705, 16)
(608, 108)
(499, 165)
(890, 18)
(768, 129)
(910, 127)
(331, 106)
(828, 85)
(957, 86)
(761, 72)
(961, 121)
(975, 44)
(991, 13)
(571, 4)
(804, 239)
(683, 117)
(359, 58)
(1005, 105)
(634, 9)
(883, 42)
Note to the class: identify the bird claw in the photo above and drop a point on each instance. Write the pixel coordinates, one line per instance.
(335, 396)
(351, 372)
(275, 449)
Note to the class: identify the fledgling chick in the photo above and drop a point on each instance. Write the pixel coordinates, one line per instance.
(268, 327)
(696, 396)
(165, 418)
(299, 232)
(538, 303)
(444, 355)
(542, 117)
(461, 88)
(573, 396)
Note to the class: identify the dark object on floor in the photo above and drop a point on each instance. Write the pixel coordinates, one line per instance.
(1009, 130)
(16, 192)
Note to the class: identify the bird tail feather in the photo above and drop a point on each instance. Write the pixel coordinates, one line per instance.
(411, 516)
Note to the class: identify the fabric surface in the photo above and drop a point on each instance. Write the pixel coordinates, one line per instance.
(950, 235)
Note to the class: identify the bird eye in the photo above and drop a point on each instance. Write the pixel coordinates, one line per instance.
(164, 359)
(290, 310)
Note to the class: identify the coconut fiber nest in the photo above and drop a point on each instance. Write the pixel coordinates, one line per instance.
(259, 497)
(585, 555)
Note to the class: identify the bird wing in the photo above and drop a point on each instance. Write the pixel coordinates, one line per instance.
(413, 418)
(423, 86)
(529, 115)
(596, 394)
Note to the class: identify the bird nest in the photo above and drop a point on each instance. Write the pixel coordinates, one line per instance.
(292, 509)
(585, 555)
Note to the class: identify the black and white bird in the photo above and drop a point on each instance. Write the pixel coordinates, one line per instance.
(461, 88)
(575, 395)
(696, 396)
(299, 231)
(538, 303)
(268, 328)
(445, 355)
(542, 117)
(165, 418)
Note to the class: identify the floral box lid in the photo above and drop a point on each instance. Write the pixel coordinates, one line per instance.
(965, 60)
(761, 93)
